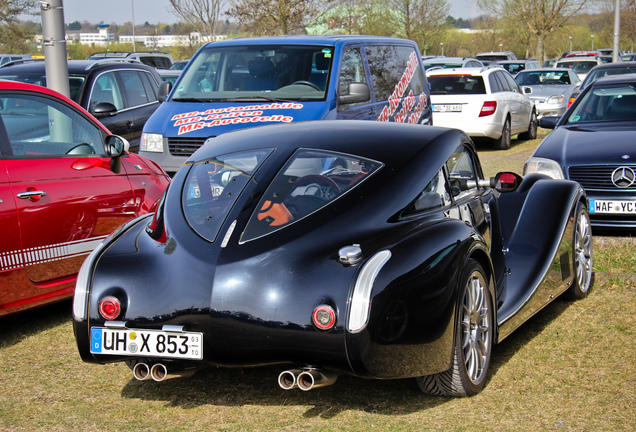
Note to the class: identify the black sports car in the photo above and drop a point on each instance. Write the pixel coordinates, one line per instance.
(354, 247)
(593, 143)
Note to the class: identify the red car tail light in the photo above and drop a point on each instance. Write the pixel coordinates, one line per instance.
(488, 108)
(324, 317)
(571, 100)
(109, 308)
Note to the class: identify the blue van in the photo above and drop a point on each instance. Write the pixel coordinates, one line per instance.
(247, 82)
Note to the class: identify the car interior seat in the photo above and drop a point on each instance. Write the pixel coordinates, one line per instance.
(262, 75)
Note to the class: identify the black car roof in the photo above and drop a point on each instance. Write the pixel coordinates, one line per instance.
(615, 79)
(75, 67)
(394, 144)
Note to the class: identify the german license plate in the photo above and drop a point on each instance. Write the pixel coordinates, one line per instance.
(612, 207)
(447, 108)
(147, 343)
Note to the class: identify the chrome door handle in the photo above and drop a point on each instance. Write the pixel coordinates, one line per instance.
(31, 194)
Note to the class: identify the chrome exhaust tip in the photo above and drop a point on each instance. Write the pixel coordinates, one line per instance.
(158, 372)
(141, 371)
(311, 379)
(287, 380)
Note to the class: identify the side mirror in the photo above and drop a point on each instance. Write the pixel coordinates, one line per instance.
(358, 92)
(549, 122)
(104, 109)
(527, 90)
(116, 146)
(164, 90)
(506, 181)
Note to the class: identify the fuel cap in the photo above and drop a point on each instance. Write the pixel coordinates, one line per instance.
(350, 255)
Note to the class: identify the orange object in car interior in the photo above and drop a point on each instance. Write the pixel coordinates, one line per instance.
(279, 214)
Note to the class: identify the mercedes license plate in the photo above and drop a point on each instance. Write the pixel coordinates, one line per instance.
(612, 207)
(147, 343)
(447, 108)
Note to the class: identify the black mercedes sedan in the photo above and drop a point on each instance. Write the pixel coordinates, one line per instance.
(593, 143)
(366, 248)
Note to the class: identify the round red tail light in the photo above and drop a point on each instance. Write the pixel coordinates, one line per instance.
(324, 317)
(109, 308)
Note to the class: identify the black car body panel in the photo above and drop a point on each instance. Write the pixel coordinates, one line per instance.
(253, 298)
(129, 87)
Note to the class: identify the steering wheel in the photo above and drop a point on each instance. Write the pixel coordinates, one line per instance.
(318, 186)
(82, 148)
(307, 83)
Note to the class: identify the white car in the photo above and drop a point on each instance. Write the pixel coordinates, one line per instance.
(484, 103)
(581, 65)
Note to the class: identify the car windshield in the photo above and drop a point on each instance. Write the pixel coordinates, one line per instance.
(543, 78)
(598, 73)
(75, 82)
(212, 187)
(456, 84)
(578, 66)
(513, 68)
(609, 103)
(442, 65)
(255, 72)
(310, 180)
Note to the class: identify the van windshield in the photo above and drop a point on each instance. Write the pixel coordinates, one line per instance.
(254, 72)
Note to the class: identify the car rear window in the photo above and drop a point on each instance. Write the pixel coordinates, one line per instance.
(309, 181)
(457, 84)
(212, 187)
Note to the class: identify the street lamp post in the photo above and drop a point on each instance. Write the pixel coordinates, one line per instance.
(592, 42)
(132, 2)
(500, 47)
(442, 45)
(570, 43)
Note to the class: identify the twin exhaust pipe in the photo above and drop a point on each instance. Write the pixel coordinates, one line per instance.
(160, 372)
(306, 379)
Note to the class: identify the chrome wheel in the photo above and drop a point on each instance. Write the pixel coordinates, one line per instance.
(583, 250)
(476, 328)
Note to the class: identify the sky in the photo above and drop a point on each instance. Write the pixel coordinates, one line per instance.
(154, 11)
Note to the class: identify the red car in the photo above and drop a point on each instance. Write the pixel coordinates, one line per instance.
(66, 183)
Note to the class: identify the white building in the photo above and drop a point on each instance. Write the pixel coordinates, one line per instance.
(101, 38)
(157, 41)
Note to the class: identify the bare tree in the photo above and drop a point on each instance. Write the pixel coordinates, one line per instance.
(267, 17)
(628, 22)
(541, 17)
(202, 14)
(421, 20)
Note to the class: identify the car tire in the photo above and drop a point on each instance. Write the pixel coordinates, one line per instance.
(503, 142)
(532, 128)
(582, 254)
(472, 347)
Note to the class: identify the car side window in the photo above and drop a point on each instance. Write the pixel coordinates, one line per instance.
(503, 83)
(495, 87)
(106, 89)
(150, 85)
(512, 83)
(460, 169)
(394, 67)
(351, 70)
(434, 196)
(136, 92)
(39, 127)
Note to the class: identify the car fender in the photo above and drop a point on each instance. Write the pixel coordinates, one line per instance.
(538, 251)
(418, 289)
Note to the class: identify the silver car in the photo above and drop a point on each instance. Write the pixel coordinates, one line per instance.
(550, 89)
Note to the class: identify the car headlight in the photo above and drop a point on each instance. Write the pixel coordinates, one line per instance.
(543, 166)
(556, 99)
(151, 142)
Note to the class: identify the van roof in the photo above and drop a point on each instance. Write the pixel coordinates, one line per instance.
(307, 39)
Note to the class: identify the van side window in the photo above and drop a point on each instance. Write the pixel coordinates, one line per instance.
(351, 70)
(391, 65)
